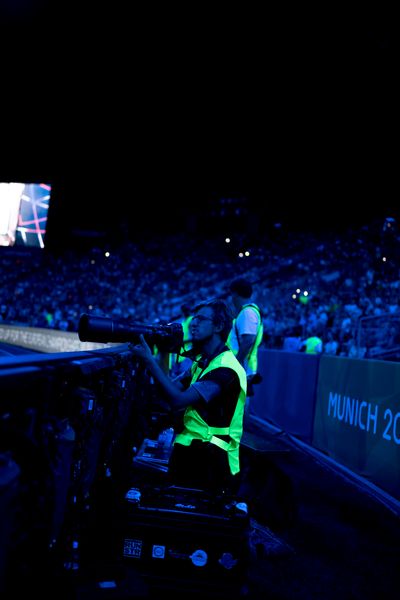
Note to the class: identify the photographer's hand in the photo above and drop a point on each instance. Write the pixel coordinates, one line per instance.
(142, 350)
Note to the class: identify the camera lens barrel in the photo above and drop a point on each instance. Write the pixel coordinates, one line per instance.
(104, 330)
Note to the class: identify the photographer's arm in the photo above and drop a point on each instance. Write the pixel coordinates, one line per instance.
(177, 397)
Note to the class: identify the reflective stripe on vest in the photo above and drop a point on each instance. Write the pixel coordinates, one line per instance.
(195, 428)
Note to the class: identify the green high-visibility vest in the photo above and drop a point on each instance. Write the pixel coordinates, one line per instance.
(186, 336)
(252, 358)
(311, 344)
(195, 428)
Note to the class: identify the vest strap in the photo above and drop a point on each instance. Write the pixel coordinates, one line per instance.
(219, 430)
(186, 438)
(220, 443)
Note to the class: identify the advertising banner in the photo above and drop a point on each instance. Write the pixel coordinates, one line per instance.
(357, 418)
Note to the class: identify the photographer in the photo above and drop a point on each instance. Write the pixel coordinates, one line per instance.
(211, 396)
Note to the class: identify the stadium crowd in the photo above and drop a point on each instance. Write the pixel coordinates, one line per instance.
(343, 288)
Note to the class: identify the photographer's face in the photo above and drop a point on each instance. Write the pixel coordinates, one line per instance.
(202, 324)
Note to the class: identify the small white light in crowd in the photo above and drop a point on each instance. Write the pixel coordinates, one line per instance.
(106, 254)
(384, 259)
(92, 262)
(305, 293)
(241, 254)
(228, 240)
(294, 296)
(247, 253)
(298, 291)
(90, 307)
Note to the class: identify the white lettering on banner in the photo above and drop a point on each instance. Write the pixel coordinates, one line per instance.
(392, 426)
(352, 411)
(364, 415)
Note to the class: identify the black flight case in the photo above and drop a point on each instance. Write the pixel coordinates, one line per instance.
(185, 540)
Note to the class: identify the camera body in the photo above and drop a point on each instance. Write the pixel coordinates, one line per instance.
(167, 338)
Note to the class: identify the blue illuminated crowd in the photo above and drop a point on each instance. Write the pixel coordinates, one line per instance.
(342, 288)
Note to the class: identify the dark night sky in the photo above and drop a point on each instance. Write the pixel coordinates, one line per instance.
(331, 161)
(318, 179)
(299, 125)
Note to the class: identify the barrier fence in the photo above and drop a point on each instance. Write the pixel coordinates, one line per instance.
(347, 408)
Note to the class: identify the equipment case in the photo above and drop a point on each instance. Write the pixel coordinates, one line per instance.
(184, 539)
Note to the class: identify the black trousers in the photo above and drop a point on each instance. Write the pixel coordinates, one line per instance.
(201, 466)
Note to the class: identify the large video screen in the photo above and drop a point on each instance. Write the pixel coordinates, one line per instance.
(24, 209)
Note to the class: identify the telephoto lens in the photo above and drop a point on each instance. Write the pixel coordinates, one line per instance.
(167, 338)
